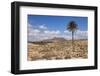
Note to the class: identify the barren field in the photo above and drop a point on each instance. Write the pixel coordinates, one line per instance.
(57, 50)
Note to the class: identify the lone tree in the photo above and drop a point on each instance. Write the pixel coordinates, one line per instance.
(72, 27)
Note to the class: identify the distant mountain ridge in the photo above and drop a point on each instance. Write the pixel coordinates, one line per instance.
(55, 39)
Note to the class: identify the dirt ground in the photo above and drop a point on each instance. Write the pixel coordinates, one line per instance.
(57, 50)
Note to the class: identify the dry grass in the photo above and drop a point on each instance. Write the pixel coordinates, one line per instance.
(58, 50)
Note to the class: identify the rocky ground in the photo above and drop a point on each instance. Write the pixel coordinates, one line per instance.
(57, 50)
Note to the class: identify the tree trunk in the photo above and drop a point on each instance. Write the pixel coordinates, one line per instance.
(72, 40)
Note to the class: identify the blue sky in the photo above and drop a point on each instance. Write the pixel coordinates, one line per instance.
(56, 24)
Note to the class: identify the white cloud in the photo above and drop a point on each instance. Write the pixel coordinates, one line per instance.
(77, 35)
(81, 34)
(66, 31)
(52, 32)
(34, 32)
(41, 32)
(42, 26)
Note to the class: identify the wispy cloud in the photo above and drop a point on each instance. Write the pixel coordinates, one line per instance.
(81, 34)
(42, 26)
(78, 34)
(41, 32)
(52, 32)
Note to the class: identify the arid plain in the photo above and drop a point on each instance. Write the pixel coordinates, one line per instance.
(57, 48)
